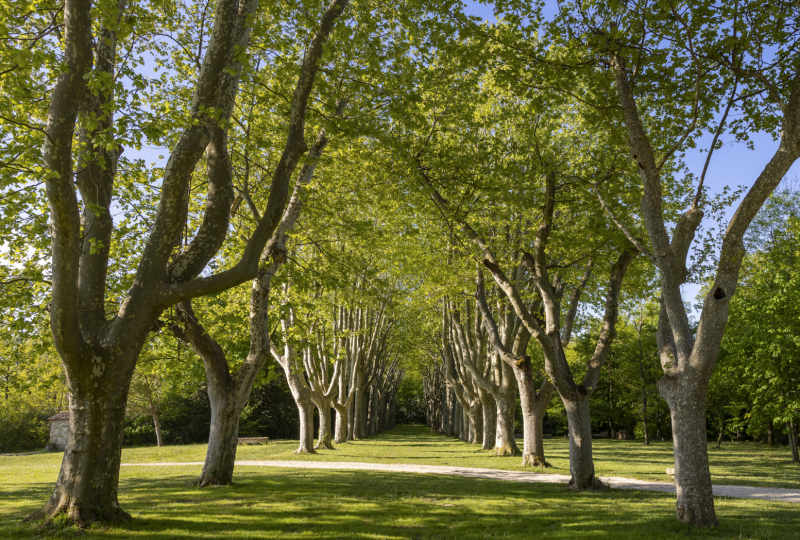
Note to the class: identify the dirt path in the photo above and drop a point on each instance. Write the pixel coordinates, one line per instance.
(739, 492)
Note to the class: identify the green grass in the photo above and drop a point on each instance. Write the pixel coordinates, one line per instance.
(304, 504)
(298, 504)
(743, 464)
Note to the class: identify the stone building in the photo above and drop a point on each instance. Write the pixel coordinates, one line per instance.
(59, 430)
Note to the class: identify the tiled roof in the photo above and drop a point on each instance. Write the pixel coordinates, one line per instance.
(63, 415)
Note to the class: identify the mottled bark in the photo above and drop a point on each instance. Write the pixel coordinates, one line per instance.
(687, 406)
(306, 409)
(688, 358)
(340, 427)
(534, 406)
(324, 440)
(99, 353)
(359, 405)
(222, 444)
(581, 464)
(86, 489)
(505, 444)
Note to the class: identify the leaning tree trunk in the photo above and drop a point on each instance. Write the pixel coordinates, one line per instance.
(222, 442)
(157, 426)
(86, 489)
(686, 398)
(581, 464)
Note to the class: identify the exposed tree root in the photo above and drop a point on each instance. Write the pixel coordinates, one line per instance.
(325, 443)
(65, 515)
(534, 461)
(507, 451)
(210, 482)
(595, 484)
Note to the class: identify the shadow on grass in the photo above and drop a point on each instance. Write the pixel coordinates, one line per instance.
(303, 503)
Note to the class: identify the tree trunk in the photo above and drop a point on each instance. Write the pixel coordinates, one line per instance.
(658, 428)
(476, 424)
(324, 439)
(533, 410)
(370, 414)
(465, 424)
(533, 429)
(504, 444)
(86, 489)
(306, 409)
(157, 426)
(687, 403)
(350, 421)
(644, 416)
(793, 442)
(222, 442)
(581, 464)
(644, 385)
(612, 433)
(489, 413)
(340, 429)
(771, 434)
(721, 426)
(358, 409)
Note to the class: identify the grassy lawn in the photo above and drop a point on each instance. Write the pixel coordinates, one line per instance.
(744, 464)
(305, 504)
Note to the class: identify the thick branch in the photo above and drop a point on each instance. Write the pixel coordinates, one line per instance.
(608, 333)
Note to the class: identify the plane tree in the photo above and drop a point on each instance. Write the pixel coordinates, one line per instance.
(495, 168)
(84, 130)
(657, 76)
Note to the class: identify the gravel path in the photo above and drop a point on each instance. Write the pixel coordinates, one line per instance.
(739, 492)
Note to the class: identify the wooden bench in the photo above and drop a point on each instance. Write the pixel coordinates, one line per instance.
(253, 440)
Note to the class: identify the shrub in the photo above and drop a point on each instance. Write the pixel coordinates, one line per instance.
(23, 426)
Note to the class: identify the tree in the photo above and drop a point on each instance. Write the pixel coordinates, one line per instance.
(763, 344)
(702, 52)
(98, 353)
